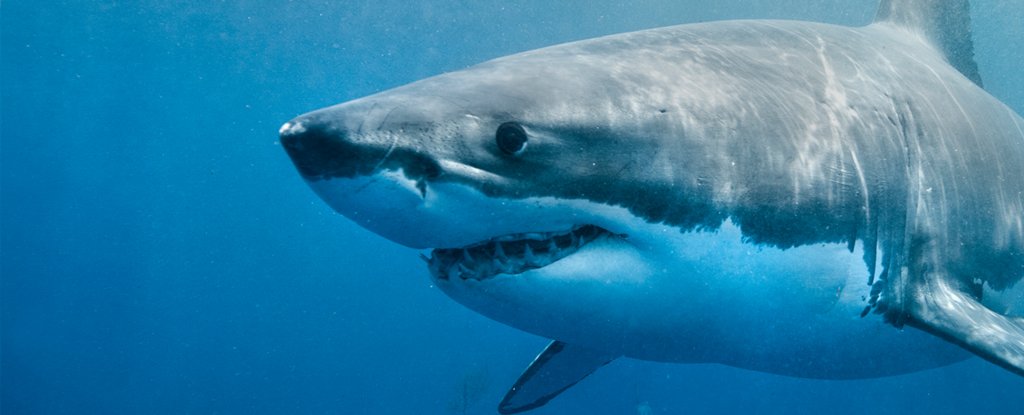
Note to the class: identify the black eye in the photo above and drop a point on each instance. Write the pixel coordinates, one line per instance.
(511, 138)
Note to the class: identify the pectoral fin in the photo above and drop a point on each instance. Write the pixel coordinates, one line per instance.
(556, 369)
(954, 315)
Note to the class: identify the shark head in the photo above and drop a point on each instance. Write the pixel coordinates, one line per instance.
(508, 174)
(435, 164)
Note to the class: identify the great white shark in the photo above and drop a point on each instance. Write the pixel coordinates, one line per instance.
(779, 196)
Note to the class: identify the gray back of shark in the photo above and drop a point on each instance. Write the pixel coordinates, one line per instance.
(798, 133)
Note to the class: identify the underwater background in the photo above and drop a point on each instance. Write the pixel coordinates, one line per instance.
(160, 254)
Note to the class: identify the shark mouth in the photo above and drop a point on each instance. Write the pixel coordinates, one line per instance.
(510, 254)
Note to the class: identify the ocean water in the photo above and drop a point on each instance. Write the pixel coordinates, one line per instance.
(161, 255)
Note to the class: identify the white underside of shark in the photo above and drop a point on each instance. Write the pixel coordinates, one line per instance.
(689, 297)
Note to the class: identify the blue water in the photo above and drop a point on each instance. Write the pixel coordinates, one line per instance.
(161, 255)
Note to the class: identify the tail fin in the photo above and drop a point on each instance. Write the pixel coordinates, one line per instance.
(944, 23)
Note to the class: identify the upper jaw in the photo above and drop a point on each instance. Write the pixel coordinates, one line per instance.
(511, 254)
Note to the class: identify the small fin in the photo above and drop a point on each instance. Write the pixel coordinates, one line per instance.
(556, 369)
(954, 315)
(945, 23)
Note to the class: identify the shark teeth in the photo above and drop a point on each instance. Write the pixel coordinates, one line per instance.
(510, 254)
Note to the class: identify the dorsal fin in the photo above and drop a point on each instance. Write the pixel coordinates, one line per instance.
(945, 23)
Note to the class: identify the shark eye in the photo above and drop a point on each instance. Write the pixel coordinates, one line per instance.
(511, 138)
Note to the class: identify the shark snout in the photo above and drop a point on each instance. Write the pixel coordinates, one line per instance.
(323, 148)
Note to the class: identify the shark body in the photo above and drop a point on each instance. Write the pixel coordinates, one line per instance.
(772, 195)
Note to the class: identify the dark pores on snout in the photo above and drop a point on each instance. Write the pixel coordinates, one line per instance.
(335, 143)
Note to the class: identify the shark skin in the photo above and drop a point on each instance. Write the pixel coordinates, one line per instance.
(779, 196)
